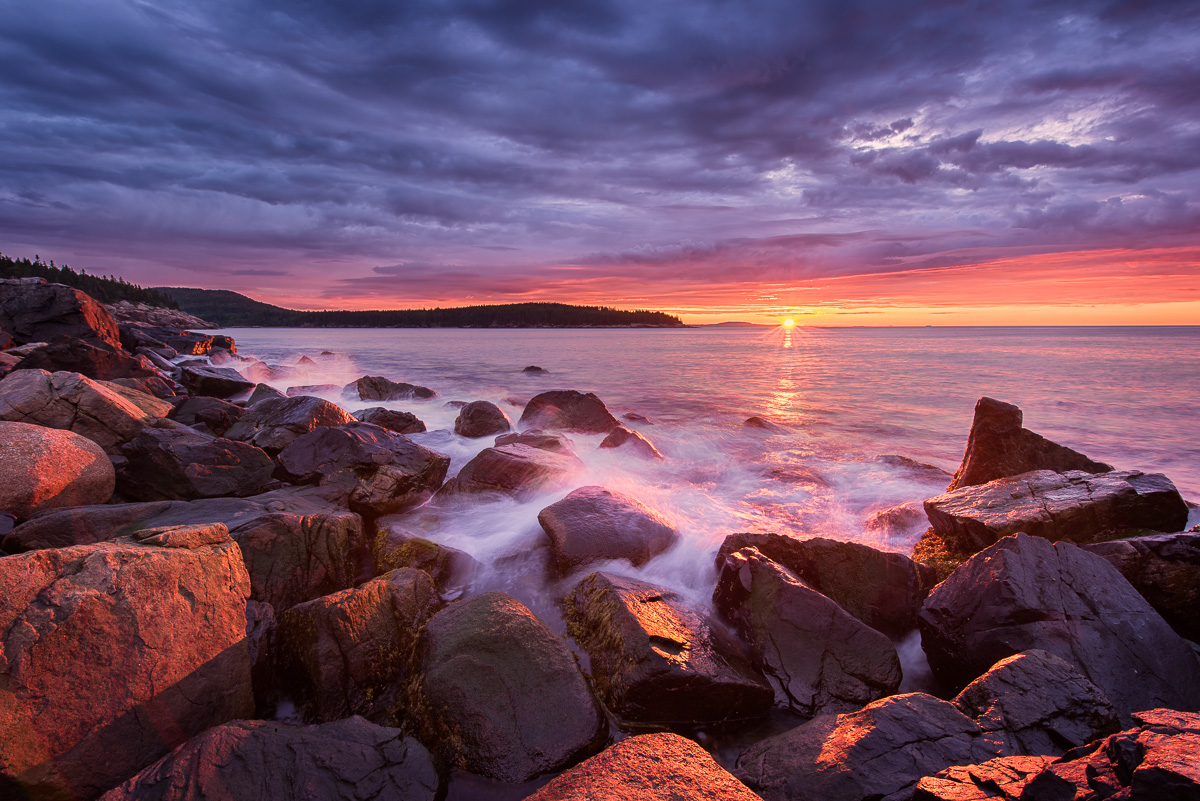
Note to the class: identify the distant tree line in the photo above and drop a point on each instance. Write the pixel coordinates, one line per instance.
(106, 289)
(230, 309)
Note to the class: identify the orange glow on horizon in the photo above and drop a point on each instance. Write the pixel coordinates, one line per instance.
(788, 323)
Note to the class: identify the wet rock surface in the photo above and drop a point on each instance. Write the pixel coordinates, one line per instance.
(816, 656)
(631, 441)
(882, 589)
(649, 767)
(568, 410)
(1074, 506)
(1165, 569)
(378, 388)
(517, 470)
(218, 382)
(393, 548)
(400, 422)
(173, 464)
(876, 754)
(481, 419)
(593, 524)
(273, 424)
(656, 657)
(536, 438)
(113, 654)
(1028, 593)
(499, 694)
(250, 760)
(46, 468)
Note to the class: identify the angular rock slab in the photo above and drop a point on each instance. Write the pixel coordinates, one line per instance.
(349, 653)
(516, 470)
(104, 413)
(1035, 703)
(817, 657)
(648, 767)
(182, 464)
(217, 382)
(882, 589)
(208, 415)
(382, 472)
(498, 694)
(1074, 506)
(47, 468)
(275, 423)
(568, 410)
(256, 760)
(593, 524)
(113, 654)
(998, 447)
(877, 753)
(655, 657)
(631, 441)
(1165, 569)
(90, 357)
(392, 420)
(37, 311)
(1026, 592)
(1001, 778)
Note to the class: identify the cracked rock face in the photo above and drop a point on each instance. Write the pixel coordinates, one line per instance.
(876, 754)
(1036, 703)
(1025, 592)
(656, 657)
(275, 423)
(568, 410)
(1002, 778)
(115, 653)
(182, 464)
(1074, 506)
(34, 311)
(817, 657)
(1165, 569)
(250, 760)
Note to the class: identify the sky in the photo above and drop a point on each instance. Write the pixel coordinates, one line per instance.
(850, 162)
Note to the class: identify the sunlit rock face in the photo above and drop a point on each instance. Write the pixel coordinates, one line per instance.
(115, 653)
(1000, 778)
(817, 657)
(498, 693)
(250, 760)
(568, 410)
(656, 657)
(36, 311)
(1074, 506)
(998, 447)
(649, 767)
(594, 524)
(47, 468)
(1026, 592)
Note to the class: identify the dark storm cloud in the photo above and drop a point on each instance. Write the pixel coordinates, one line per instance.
(476, 145)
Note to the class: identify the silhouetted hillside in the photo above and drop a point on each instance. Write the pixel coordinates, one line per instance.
(104, 289)
(231, 310)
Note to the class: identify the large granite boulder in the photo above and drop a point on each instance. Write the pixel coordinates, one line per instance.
(382, 472)
(1026, 592)
(998, 447)
(1165, 569)
(32, 310)
(47, 468)
(817, 657)
(882, 589)
(1073, 506)
(104, 413)
(499, 694)
(93, 358)
(378, 388)
(481, 419)
(1002, 778)
(207, 415)
(516, 470)
(274, 423)
(217, 382)
(593, 524)
(655, 657)
(182, 464)
(296, 545)
(631, 442)
(1156, 760)
(257, 760)
(392, 420)
(1035, 703)
(349, 653)
(648, 767)
(568, 410)
(876, 754)
(113, 654)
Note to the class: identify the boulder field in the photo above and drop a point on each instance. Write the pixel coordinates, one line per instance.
(214, 590)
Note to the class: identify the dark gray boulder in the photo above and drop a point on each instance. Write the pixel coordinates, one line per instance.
(263, 392)
(91, 357)
(1025, 592)
(392, 420)
(817, 657)
(1035, 703)
(998, 447)
(207, 415)
(499, 694)
(517, 470)
(481, 419)
(882, 589)
(182, 464)
(253, 760)
(382, 472)
(536, 438)
(312, 389)
(655, 657)
(273, 424)
(876, 754)
(593, 524)
(219, 382)
(378, 388)
(1165, 569)
(568, 410)
(1073, 506)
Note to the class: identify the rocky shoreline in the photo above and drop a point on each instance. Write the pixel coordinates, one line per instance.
(187, 551)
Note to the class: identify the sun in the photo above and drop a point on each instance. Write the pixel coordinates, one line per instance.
(788, 323)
